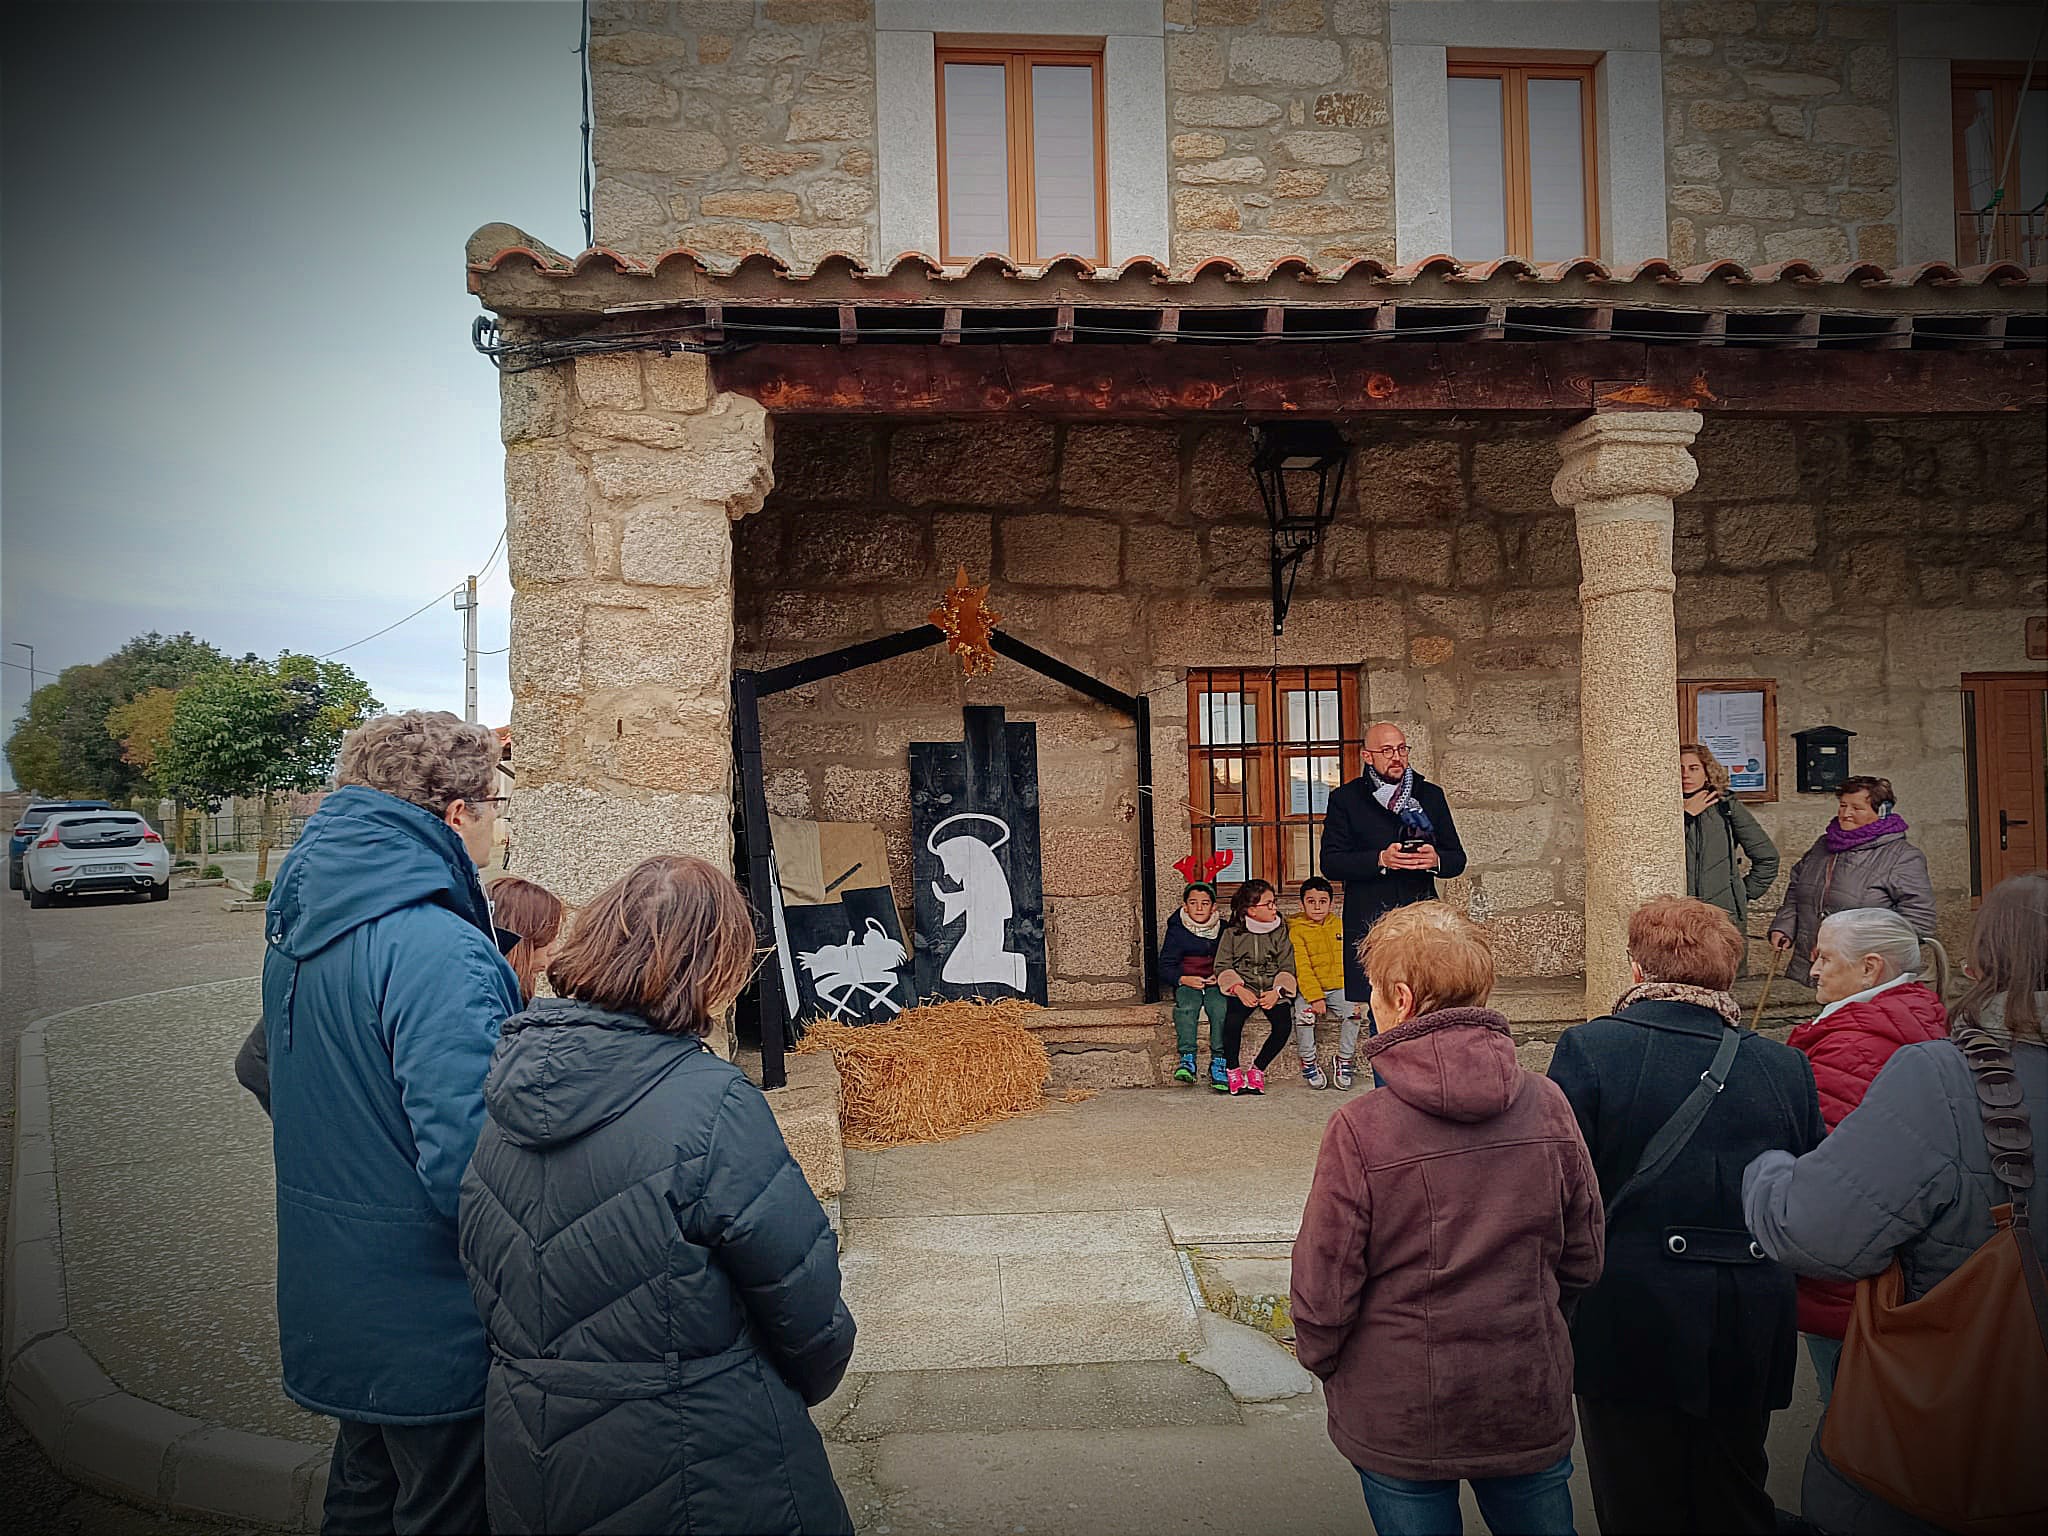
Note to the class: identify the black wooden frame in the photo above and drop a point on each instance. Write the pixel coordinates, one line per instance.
(749, 688)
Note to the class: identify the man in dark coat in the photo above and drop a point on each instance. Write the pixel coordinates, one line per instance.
(1387, 835)
(1687, 1343)
(383, 990)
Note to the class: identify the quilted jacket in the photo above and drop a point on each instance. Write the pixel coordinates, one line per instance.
(1906, 1176)
(659, 1286)
(1318, 955)
(382, 995)
(1848, 1048)
(1888, 872)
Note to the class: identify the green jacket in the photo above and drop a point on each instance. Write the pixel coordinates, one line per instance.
(1712, 872)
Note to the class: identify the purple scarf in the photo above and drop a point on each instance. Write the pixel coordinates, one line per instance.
(1840, 841)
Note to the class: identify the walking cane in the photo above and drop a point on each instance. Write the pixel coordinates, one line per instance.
(1763, 998)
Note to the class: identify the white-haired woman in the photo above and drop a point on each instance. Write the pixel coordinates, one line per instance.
(1866, 966)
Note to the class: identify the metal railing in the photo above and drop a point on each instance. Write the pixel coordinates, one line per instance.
(2017, 236)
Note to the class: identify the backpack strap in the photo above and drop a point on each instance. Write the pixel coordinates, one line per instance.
(2009, 1134)
(1663, 1148)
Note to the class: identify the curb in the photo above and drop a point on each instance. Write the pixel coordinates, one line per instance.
(96, 1434)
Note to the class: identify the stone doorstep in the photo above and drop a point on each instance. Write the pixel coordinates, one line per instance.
(1126, 1045)
(92, 1431)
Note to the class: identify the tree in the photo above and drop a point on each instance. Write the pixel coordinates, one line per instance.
(142, 726)
(254, 728)
(62, 745)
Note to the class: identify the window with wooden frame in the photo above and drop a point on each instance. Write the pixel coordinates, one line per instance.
(2000, 139)
(1736, 719)
(1021, 166)
(1265, 748)
(1523, 160)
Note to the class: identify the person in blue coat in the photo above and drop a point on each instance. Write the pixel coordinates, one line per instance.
(383, 992)
(659, 1284)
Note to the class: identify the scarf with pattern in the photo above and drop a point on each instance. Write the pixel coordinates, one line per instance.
(1404, 804)
(1681, 992)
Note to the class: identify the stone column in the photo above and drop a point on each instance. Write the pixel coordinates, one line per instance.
(623, 475)
(1620, 472)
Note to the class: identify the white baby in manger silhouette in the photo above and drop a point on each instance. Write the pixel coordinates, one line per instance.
(983, 900)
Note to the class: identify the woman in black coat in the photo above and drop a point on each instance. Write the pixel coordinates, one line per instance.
(1687, 1342)
(659, 1285)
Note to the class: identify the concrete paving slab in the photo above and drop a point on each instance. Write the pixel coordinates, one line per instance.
(1098, 1396)
(120, 1443)
(1018, 1236)
(50, 1381)
(1249, 1363)
(1113, 1306)
(178, 1228)
(921, 1311)
(213, 1354)
(243, 1476)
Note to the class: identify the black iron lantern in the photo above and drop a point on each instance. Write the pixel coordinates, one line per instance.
(1300, 468)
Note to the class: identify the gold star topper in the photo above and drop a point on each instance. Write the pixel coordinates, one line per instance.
(969, 623)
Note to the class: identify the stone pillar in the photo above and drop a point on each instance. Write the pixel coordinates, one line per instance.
(623, 475)
(1620, 472)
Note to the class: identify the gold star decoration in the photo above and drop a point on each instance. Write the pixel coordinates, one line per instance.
(969, 624)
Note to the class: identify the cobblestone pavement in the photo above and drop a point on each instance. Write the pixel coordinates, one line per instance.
(67, 957)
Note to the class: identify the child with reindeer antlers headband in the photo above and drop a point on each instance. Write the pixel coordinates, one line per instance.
(1187, 963)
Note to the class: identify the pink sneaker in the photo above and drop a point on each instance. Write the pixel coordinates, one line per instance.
(1254, 1080)
(1235, 1077)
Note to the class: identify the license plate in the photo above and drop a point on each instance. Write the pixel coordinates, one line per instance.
(104, 869)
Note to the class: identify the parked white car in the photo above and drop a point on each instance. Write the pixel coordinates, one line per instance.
(90, 853)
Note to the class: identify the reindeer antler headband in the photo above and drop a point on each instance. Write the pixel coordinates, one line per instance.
(1197, 871)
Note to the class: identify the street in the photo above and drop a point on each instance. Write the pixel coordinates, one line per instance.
(66, 957)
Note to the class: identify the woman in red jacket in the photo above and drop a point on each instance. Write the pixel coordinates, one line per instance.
(1865, 965)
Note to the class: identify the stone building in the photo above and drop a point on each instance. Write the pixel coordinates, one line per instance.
(746, 429)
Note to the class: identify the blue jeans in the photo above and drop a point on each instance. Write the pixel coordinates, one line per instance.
(1534, 1504)
(1827, 1355)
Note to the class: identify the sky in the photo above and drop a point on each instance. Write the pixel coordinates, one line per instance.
(239, 395)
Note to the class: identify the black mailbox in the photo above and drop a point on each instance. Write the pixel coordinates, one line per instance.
(1823, 758)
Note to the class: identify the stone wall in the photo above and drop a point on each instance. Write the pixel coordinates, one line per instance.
(1782, 133)
(1280, 121)
(621, 473)
(1865, 567)
(732, 126)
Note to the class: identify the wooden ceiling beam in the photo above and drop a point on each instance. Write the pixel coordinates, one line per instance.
(1080, 380)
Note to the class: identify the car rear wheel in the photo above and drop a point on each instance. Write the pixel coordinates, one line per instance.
(38, 899)
(160, 892)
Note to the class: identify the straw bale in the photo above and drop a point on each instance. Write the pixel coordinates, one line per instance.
(933, 1072)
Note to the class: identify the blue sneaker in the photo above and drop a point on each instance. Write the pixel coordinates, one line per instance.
(1219, 1078)
(1185, 1072)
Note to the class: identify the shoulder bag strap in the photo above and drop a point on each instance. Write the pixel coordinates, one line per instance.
(2008, 1133)
(1664, 1147)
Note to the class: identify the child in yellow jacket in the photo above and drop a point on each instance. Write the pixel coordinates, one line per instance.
(1319, 954)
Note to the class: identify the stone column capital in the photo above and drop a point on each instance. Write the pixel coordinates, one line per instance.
(1627, 465)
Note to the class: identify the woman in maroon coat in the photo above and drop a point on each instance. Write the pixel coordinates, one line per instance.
(1451, 1218)
(1865, 962)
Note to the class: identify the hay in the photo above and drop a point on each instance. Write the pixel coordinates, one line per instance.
(933, 1072)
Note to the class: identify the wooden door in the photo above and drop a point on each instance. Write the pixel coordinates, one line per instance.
(2009, 742)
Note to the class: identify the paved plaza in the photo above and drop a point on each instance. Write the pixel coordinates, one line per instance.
(1033, 1354)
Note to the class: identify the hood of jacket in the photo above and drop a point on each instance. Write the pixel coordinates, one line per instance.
(564, 1068)
(362, 855)
(1903, 1015)
(1455, 1064)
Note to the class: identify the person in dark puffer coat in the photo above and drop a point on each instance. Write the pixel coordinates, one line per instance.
(1865, 966)
(659, 1285)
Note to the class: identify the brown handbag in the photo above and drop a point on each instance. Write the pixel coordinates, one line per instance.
(1939, 1404)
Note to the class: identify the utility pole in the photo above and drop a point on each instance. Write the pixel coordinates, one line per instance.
(465, 604)
(24, 645)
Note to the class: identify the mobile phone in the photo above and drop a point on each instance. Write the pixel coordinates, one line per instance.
(1413, 844)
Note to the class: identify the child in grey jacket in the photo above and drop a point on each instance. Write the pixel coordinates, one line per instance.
(1255, 967)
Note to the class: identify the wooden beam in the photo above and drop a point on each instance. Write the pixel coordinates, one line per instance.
(813, 668)
(1080, 381)
(1169, 326)
(849, 325)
